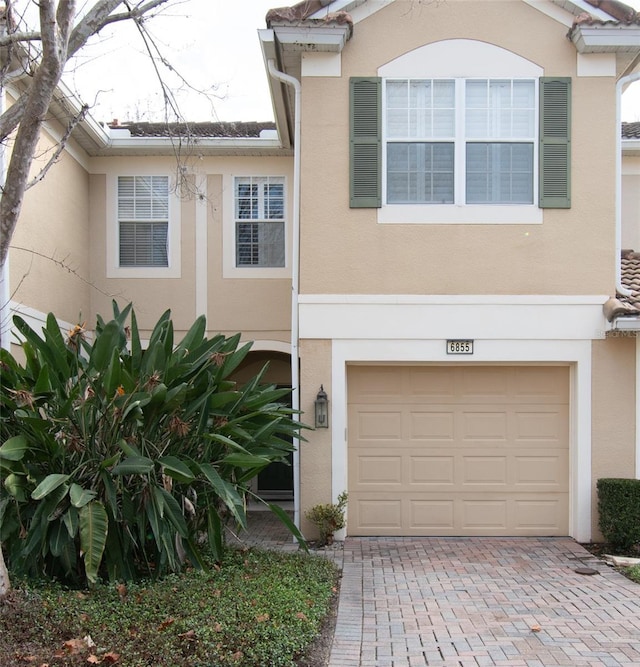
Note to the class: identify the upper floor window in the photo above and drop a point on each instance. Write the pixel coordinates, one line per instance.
(459, 141)
(259, 221)
(460, 131)
(143, 221)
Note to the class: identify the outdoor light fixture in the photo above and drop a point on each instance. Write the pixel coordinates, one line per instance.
(322, 409)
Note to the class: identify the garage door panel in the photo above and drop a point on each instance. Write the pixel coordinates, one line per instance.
(485, 471)
(548, 426)
(431, 470)
(383, 425)
(378, 514)
(432, 425)
(378, 470)
(541, 384)
(486, 425)
(443, 459)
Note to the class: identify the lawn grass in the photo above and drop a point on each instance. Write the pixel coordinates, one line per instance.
(633, 573)
(256, 608)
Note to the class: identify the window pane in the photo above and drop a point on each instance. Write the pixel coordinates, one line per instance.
(143, 244)
(499, 109)
(143, 212)
(420, 173)
(420, 108)
(499, 173)
(260, 242)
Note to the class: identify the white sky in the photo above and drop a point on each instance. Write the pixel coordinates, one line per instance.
(213, 44)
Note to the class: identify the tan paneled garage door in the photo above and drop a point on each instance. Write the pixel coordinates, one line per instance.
(458, 450)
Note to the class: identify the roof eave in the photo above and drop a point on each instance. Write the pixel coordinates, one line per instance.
(606, 38)
(626, 323)
(326, 38)
(631, 147)
(169, 146)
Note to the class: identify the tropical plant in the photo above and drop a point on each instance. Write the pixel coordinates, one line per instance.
(118, 460)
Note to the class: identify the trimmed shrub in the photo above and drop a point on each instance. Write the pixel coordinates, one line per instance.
(619, 510)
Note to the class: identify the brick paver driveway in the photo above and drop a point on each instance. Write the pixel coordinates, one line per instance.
(482, 601)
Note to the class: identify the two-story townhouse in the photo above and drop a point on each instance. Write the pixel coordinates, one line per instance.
(433, 232)
(460, 232)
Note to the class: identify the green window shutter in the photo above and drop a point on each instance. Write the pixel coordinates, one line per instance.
(365, 142)
(555, 142)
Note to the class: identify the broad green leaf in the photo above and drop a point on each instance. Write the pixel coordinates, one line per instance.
(171, 511)
(43, 383)
(93, 537)
(134, 465)
(245, 461)
(14, 448)
(176, 469)
(128, 449)
(48, 484)
(226, 492)
(58, 538)
(70, 520)
(110, 338)
(17, 486)
(215, 534)
(80, 497)
(194, 337)
(293, 529)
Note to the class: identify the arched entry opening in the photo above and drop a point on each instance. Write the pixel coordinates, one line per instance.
(276, 481)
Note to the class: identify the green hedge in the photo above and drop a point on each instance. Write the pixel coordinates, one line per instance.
(619, 509)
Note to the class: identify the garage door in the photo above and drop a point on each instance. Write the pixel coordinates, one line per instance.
(464, 450)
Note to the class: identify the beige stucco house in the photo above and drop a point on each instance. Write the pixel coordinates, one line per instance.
(438, 229)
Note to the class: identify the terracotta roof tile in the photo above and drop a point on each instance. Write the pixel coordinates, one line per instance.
(207, 130)
(631, 130)
(631, 277)
(619, 10)
(301, 11)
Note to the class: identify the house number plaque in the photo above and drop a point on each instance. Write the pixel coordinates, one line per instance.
(459, 347)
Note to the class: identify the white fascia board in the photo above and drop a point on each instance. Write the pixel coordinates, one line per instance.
(606, 39)
(442, 318)
(338, 6)
(331, 38)
(626, 324)
(631, 146)
(169, 143)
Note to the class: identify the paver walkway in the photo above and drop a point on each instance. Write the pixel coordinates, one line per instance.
(474, 602)
(482, 601)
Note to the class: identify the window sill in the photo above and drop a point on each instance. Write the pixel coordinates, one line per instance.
(443, 214)
(143, 272)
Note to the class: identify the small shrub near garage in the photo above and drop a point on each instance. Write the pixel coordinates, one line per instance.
(619, 511)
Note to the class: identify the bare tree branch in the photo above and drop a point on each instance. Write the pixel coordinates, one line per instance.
(78, 118)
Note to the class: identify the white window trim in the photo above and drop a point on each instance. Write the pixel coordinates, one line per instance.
(229, 268)
(461, 59)
(174, 250)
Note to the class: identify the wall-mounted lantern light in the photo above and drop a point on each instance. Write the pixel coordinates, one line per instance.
(322, 409)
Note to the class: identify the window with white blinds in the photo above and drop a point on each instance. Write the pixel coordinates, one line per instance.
(259, 221)
(460, 141)
(143, 220)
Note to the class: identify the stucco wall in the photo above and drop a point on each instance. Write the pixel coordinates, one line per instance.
(49, 259)
(315, 454)
(348, 251)
(259, 307)
(613, 416)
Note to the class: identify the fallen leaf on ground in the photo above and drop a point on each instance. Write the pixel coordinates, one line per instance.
(535, 628)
